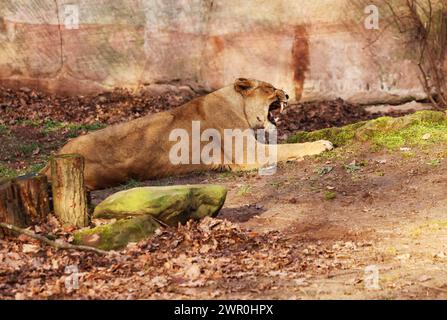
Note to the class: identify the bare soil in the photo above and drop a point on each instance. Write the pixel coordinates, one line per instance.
(307, 232)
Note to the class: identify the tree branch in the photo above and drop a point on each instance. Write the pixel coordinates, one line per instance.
(54, 244)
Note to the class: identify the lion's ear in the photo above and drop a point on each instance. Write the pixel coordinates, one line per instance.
(243, 85)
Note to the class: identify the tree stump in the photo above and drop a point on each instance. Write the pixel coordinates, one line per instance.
(24, 200)
(10, 209)
(69, 196)
(33, 195)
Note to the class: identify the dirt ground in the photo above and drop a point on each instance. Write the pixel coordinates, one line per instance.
(306, 232)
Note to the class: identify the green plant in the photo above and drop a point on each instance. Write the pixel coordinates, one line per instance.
(35, 168)
(132, 183)
(50, 126)
(434, 162)
(244, 190)
(3, 129)
(276, 184)
(76, 129)
(352, 167)
(28, 148)
(330, 195)
(324, 170)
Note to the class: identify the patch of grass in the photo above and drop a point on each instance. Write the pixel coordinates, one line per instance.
(28, 123)
(434, 162)
(244, 190)
(132, 183)
(28, 148)
(35, 168)
(408, 154)
(7, 172)
(224, 175)
(385, 132)
(50, 126)
(330, 195)
(76, 129)
(430, 227)
(4, 129)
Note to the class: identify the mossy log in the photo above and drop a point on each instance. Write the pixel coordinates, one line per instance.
(69, 195)
(118, 234)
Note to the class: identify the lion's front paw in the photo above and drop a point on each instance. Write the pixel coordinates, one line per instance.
(321, 146)
(327, 145)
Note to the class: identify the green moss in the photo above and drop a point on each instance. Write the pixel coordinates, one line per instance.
(338, 136)
(207, 201)
(391, 133)
(118, 234)
(156, 201)
(169, 204)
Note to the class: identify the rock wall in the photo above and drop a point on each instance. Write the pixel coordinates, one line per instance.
(311, 48)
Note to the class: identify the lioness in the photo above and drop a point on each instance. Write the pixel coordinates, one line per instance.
(140, 149)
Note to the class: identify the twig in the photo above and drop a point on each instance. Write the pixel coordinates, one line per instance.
(57, 245)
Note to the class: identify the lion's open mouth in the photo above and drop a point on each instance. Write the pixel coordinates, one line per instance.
(275, 109)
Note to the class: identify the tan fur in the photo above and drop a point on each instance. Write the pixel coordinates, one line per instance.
(139, 149)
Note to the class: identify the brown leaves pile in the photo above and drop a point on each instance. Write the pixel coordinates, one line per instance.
(108, 107)
(212, 258)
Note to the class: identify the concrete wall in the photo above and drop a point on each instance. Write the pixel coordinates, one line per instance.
(311, 48)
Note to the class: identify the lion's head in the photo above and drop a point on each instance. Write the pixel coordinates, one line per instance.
(261, 101)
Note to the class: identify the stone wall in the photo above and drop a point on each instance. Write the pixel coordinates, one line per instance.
(311, 48)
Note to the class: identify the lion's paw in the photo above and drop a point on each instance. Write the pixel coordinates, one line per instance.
(326, 144)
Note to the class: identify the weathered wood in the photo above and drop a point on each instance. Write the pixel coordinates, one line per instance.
(55, 244)
(10, 209)
(69, 195)
(33, 197)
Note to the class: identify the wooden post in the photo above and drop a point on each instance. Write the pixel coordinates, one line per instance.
(10, 209)
(69, 196)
